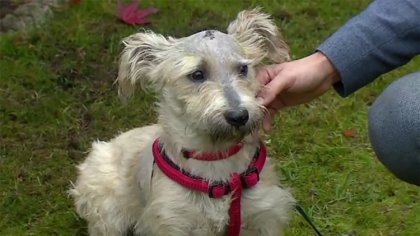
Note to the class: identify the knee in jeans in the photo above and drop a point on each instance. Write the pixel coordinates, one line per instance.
(394, 128)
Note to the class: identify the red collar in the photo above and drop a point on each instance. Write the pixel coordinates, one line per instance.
(217, 189)
(213, 156)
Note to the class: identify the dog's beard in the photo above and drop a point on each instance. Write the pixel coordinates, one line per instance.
(228, 133)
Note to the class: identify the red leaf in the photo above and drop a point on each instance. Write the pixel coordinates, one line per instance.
(133, 16)
(349, 133)
(75, 2)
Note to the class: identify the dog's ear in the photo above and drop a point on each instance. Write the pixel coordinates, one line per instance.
(142, 53)
(259, 37)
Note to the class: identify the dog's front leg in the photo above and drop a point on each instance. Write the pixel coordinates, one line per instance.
(172, 211)
(171, 220)
(266, 210)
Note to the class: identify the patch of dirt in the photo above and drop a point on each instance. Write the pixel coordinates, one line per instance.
(67, 78)
(282, 15)
(9, 6)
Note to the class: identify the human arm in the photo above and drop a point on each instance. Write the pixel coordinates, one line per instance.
(384, 36)
(294, 83)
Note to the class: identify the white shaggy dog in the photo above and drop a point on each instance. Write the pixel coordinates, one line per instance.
(206, 90)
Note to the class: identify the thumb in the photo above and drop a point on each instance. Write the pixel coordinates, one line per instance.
(268, 120)
(269, 92)
(264, 74)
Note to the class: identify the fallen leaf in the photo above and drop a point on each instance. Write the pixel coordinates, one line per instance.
(75, 2)
(349, 133)
(133, 15)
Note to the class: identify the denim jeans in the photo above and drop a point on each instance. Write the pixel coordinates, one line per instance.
(394, 128)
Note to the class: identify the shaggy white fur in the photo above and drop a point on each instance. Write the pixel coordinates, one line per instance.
(120, 188)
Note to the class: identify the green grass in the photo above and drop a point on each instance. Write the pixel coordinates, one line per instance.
(57, 96)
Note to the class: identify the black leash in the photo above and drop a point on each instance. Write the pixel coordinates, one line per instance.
(306, 217)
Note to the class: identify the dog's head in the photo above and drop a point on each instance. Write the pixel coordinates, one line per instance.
(207, 80)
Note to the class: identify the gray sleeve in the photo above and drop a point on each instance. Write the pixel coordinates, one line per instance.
(383, 37)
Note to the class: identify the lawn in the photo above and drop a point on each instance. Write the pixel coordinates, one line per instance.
(57, 96)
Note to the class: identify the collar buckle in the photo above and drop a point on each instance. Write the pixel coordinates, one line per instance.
(218, 189)
(250, 177)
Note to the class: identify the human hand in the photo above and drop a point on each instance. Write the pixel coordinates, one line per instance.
(293, 83)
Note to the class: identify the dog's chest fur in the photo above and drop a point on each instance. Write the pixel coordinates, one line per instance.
(208, 216)
(153, 203)
(165, 200)
(197, 210)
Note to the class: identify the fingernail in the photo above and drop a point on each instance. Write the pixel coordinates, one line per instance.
(260, 100)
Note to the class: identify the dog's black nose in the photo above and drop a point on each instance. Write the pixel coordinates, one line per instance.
(237, 117)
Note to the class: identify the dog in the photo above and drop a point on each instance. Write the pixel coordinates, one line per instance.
(199, 170)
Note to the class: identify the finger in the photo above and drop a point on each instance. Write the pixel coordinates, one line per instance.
(267, 123)
(265, 74)
(268, 120)
(262, 75)
(270, 91)
(278, 104)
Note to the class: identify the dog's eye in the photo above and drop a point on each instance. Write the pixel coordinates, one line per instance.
(243, 70)
(197, 75)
